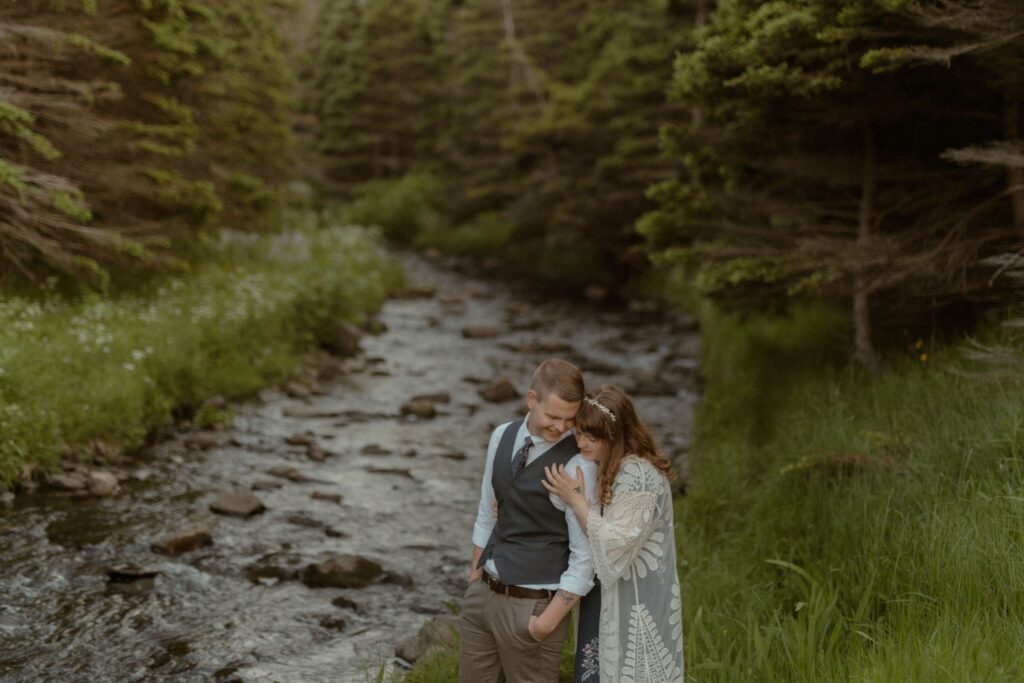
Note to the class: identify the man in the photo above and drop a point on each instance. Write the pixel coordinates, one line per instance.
(531, 563)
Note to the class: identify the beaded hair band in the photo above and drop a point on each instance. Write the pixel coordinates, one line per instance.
(600, 406)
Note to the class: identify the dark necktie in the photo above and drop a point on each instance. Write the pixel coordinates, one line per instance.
(519, 461)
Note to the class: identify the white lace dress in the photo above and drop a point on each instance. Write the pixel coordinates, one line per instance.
(634, 552)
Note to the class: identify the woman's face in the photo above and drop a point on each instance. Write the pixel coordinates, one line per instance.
(591, 448)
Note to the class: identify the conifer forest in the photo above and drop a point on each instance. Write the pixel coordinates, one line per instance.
(804, 220)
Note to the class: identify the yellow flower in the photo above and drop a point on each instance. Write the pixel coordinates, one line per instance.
(924, 357)
(918, 344)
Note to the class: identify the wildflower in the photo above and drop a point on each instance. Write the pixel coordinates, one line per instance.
(924, 357)
(128, 366)
(919, 344)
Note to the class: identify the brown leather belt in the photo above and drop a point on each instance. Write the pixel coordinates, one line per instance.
(515, 591)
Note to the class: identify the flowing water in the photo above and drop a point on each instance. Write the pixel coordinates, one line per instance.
(232, 611)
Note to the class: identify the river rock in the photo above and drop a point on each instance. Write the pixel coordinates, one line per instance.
(303, 519)
(237, 504)
(273, 568)
(438, 633)
(126, 573)
(326, 496)
(201, 442)
(102, 483)
(499, 391)
(342, 571)
(416, 292)
(345, 341)
(183, 541)
(399, 471)
(296, 390)
(419, 407)
(479, 332)
(289, 473)
(397, 579)
(300, 440)
(345, 602)
(6, 499)
(454, 455)
(374, 449)
(266, 485)
(333, 623)
(437, 397)
(316, 454)
(67, 482)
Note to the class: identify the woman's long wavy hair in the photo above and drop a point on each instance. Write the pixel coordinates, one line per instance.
(625, 435)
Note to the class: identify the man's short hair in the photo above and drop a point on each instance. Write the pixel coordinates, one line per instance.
(560, 377)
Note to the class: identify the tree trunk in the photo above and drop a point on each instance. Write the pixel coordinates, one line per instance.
(1015, 175)
(864, 349)
(519, 54)
(702, 9)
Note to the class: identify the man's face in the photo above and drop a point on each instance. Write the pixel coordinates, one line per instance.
(551, 417)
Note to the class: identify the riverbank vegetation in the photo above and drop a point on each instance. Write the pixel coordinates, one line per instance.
(845, 526)
(90, 377)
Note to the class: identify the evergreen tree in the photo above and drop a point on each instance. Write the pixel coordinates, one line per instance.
(374, 80)
(812, 174)
(126, 126)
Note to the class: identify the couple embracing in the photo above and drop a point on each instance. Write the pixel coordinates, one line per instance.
(576, 488)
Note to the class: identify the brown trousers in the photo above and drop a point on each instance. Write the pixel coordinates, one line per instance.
(496, 643)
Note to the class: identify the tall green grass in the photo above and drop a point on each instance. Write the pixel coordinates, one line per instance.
(115, 369)
(848, 527)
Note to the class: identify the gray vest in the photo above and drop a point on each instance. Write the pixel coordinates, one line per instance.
(530, 541)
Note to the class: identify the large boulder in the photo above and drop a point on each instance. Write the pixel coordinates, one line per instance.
(438, 633)
(342, 571)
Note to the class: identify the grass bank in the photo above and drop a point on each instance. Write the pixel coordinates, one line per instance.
(84, 376)
(847, 527)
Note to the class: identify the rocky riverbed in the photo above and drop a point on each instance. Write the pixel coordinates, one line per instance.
(332, 519)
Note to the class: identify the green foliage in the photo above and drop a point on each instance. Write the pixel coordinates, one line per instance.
(813, 168)
(540, 121)
(228, 328)
(193, 98)
(405, 208)
(847, 527)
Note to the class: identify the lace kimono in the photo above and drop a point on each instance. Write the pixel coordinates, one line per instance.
(634, 553)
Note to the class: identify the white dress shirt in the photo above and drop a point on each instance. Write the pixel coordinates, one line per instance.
(578, 578)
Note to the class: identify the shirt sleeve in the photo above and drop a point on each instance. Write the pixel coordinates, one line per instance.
(485, 519)
(578, 578)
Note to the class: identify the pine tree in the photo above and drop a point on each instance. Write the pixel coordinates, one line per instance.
(812, 174)
(374, 78)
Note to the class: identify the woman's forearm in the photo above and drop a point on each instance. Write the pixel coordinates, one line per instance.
(581, 508)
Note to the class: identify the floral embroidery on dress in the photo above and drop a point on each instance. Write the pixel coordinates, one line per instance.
(590, 664)
(633, 548)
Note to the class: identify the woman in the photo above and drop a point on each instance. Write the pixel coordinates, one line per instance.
(632, 542)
